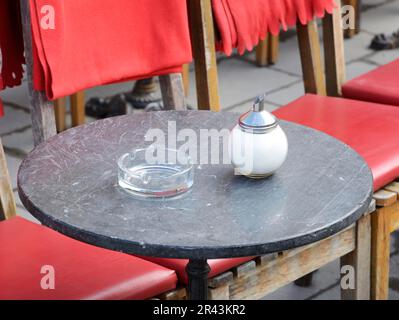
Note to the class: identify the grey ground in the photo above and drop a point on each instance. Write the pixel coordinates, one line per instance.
(240, 81)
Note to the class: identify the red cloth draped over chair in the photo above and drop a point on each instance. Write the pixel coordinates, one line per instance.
(96, 42)
(242, 23)
(81, 44)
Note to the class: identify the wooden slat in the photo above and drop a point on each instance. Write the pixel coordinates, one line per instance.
(334, 52)
(7, 202)
(172, 91)
(380, 250)
(312, 66)
(219, 293)
(203, 46)
(385, 198)
(60, 113)
(42, 110)
(78, 108)
(360, 260)
(221, 279)
(292, 265)
(262, 53)
(243, 269)
(393, 187)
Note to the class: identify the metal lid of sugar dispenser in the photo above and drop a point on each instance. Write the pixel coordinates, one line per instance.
(258, 120)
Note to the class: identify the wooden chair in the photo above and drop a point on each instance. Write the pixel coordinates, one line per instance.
(27, 247)
(262, 275)
(42, 110)
(385, 219)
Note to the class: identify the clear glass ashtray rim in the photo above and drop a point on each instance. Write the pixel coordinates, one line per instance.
(187, 167)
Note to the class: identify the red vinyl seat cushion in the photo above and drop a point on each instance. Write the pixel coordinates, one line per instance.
(370, 129)
(218, 266)
(380, 85)
(81, 271)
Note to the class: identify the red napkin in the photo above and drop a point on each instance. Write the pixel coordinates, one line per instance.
(11, 44)
(242, 23)
(96, 42)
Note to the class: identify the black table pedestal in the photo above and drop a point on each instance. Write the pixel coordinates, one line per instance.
(197, 271)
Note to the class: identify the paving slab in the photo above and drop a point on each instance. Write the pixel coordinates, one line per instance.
(287, 94)
(14, 119)
(383, 19)
(384, 57)
(358, 68)
(20, 141)
(18, 95)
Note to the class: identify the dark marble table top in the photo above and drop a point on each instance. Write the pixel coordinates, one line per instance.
(69, 183)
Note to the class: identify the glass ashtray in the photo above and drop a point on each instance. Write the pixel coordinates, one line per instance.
(155, 172)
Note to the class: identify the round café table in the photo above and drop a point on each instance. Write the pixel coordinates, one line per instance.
(69, 183)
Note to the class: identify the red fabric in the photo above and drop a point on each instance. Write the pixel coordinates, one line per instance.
(242, 23)
(95, 42)
(11, 44)
(380, 85)
(81, 271)
(1, 109)
(370, 129)
(218, 266)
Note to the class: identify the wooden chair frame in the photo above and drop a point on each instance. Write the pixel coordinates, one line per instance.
(262, 275)
(385, 219)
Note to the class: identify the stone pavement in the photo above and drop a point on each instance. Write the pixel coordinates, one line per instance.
(240, 81)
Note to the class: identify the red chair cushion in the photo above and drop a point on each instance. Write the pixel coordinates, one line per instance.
(371, 129)
(218, 266)
(380, 85)
(81, 271)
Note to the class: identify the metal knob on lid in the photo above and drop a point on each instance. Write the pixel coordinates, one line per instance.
(258, 120)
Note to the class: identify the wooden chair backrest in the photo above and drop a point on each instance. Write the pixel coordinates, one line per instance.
(42, 110)
(319, 80)
(7, 202)
(202, 33)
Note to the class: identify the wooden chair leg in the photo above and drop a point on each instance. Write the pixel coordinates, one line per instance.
(172, 91)
(262, 53)
(360, 261)
(186, 78)
(312, 66)
(7, 203)
(203, 44)
(274, 44)
(42, 110)
(78, 108)
(60, 113)
(267, 51)
(380, 254)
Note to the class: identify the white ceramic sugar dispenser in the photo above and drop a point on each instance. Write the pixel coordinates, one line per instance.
(258, 145)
